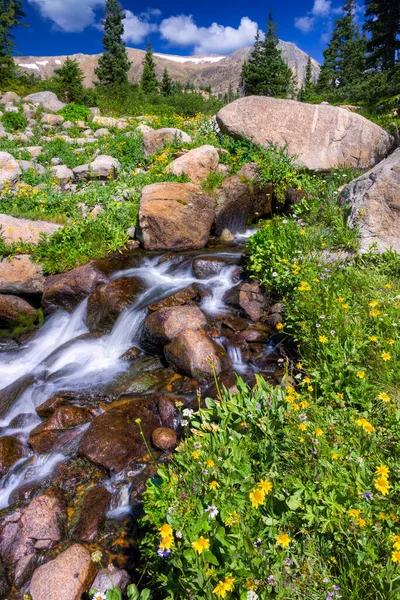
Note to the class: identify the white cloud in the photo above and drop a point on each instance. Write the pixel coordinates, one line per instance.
(69, 15)
(305, 24)
(321, 8)
(151, 12)
(136, 29)
(181, 30)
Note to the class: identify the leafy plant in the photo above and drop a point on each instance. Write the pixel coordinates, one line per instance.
(75, 112)
(14, 121)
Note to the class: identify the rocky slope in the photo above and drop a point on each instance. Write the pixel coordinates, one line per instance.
(218, 71)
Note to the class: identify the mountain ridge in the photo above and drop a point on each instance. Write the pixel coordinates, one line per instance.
(218, 71)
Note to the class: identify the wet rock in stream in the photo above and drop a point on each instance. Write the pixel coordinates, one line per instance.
(163, 325)
(92, 514)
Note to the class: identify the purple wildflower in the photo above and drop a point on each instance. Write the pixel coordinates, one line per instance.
(368, 496)
(163, 553)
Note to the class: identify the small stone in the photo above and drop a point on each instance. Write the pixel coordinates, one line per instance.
(164, 438)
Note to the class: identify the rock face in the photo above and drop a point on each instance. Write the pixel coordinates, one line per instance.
(322, 136)
(108, 300)
(374, 199)
(155, 140)
(14, 310)
(20, 276)
(197, 164)
(48, 100)
(67, 290)
(28, 231)
(64, 578)
(164, 324)
(113, 438)
(11, 450)
(10, 170)
(174, 216)
(191, 353)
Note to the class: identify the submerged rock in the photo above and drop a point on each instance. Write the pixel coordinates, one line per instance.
(108, 300)
(67, 290)
(113, 438)
(64, 578)
(164, 324)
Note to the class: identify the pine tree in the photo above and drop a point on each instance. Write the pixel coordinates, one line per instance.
(69, 80)
(308, 87)
(148, 81)
(113, 64)
(166, 83)
(382, 23)
(344, 55)
(266, 73)
(11, 14)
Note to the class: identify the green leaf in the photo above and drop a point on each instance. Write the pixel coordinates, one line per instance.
(132, 591)
(114, 594)
(145, 594)
(209, 557)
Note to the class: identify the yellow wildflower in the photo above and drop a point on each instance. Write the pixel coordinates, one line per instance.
(396, 556)
(201, 544)
(323, 339)
(366, 425)
(335, 455)
(302, 426)
(232, 519)
(165, 530)
(214, 485)
(384, 397)
(229, 583)
(375, 313)
(195, 455)
(210, 463)
(382, 485)
(354, 513)
(257, 497)
(396, 542)
(382, 470)
(390, 340)
(361, 374)
(279, 326)
(265, 485)
(386, 356)
(166, 542)
(373, 338)
(283, 540)
(318, 432)
(361, 522)
(220, 590)
(373, 303)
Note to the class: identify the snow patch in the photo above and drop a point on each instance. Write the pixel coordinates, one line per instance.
(58, 62)
(42, 62)
(190, 59)
(29, 66)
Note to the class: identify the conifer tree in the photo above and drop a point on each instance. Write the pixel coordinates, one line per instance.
(148, 81)
(166, 83)
(11, 14)
(344, 55)
(308, 87)
(113, 64)
(382, 23)
(266, 73)
(69, 80)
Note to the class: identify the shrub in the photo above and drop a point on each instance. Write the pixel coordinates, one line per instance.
(75, 112)
(14, 121)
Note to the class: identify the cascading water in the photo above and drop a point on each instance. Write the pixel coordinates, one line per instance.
(61, 357)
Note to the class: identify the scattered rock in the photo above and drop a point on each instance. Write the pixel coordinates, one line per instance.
(11, 97)
(64, 578)
(163, 325)
(19, 275)
(63, 174)
(164, 438)
(205, 267)
(174, 216)
(102, 132)
(67, 290)
(185, 296)
(34, 151)
(323, 137)
(27, 165)
(249, 298)
(197, 164)
(108, 300)
(92, 515)
(169, 414)
(14, 311)
(52, 119)
(16, 229)
(48, 100)
(143, 128)
(155, 140)
(191, 353)
(106, 579)
(44, 518)
(10, 170)
(374, 199)
(11, 450)
(227, 236)
(113, 438)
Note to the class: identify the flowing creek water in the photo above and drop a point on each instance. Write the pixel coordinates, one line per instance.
(64, 356)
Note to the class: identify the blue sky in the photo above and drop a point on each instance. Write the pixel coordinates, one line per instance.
(206, 27)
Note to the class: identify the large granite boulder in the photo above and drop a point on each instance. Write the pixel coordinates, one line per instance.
(322, 136)
(15, 229)
(19, 275)
(197, 164)
(374, 200)
(175, 216)
(10, 170)
(155, 140)
(67, 290)
(64, 578)
(48, 100)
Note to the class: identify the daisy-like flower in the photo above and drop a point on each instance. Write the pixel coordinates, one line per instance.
(382, 485)
(386, 356)
(265, 485)
(361, 374)
(166, 530)
(201, 544)
(257, 497)
(214, 485)
(396, 556)
(382, 471)
(212, 511)
(384, 397)
(283, 540)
